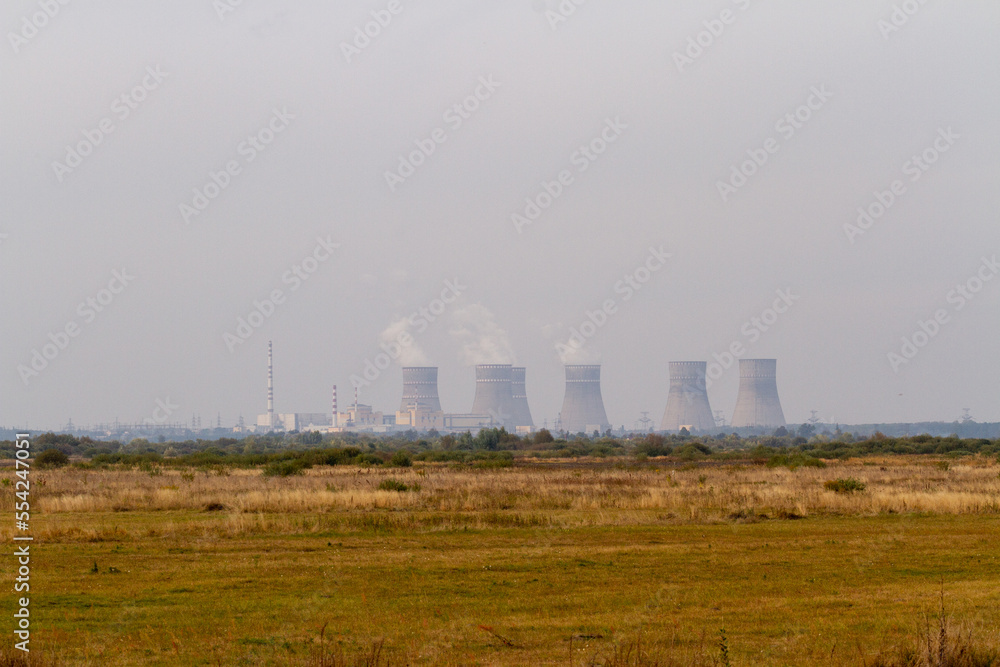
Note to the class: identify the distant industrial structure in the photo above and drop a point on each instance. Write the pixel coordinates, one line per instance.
(687, 401)
(521, 413)
(501, 400)
(757, 403)
(583, 405)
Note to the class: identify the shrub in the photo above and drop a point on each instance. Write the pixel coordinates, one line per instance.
(401, 459)
(284, 468)
(51, 458)
(392, 485)
(543, 436)
(849, 485)
(654, 445)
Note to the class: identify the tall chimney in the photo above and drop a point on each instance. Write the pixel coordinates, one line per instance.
(336, 417)
(583, 406)
(757, 403)
(420, 389)
(522, 413)
(270, 387)
(687, 402)
(494, 393)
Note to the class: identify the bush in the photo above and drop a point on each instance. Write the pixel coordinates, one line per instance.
(401, 459)
(654, 445)
(849, 485)
(284, 468)
(543, 436)
(51, 458)
(392, 485)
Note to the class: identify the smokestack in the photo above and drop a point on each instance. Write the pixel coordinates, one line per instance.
(687, 402)
(335, 415)
(521, 411)
(583, 406)
(420, 389)
(270, 387)
(494, 393)
(757, 403)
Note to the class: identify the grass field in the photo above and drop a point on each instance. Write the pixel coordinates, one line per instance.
(571, 563)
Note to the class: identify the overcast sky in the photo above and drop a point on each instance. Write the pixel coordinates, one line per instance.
(93, 183)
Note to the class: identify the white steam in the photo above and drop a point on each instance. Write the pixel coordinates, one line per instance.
(399, 344)
(481, 339)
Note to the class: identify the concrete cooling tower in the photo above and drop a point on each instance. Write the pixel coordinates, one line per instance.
(583, 406)
(494, 393)
(757, 403)
(687, 402)
(420, 389)
(522, 413)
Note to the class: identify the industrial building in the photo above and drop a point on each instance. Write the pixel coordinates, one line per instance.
(521, 412)
(757, 402)
(687, 401)
(583, 405)
(501, 400)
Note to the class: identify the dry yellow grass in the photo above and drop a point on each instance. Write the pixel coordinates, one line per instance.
(585, 495)
(541, 564)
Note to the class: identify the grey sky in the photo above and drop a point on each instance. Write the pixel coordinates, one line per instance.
(553, 90)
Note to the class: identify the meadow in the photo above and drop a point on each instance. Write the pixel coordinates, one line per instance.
(571, 562)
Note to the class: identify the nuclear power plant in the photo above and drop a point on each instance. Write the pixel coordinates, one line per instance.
(501, 400)
(757, 402)
(420, 389)
(521, 411)
(494, 393)
(687, 401)
(583, 406)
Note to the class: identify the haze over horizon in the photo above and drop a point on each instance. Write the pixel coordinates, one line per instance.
(227, 155)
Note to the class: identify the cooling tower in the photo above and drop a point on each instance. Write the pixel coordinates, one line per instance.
(757, 403)
(494, 393)
(583, 407)
(420, 389)
(270, 387)
(687, 402)
(521, 411)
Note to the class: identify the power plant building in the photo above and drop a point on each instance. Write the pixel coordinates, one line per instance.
(583, 405)
(687, 401)
(495, 394)
(757, 404)
(522, 413)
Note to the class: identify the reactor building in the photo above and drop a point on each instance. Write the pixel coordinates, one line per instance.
(757, 402)
(687, 401)
(583, 405)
